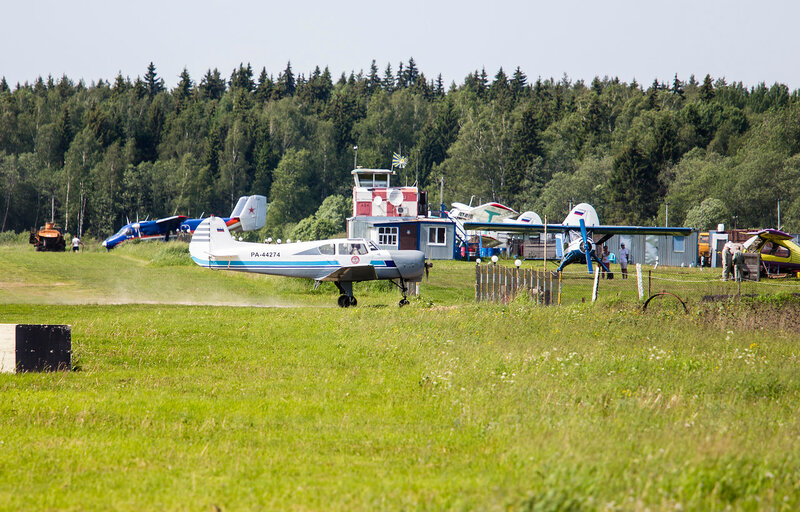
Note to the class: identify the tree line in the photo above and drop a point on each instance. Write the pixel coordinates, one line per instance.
(94, 155)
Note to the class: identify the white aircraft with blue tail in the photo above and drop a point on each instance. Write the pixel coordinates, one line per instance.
(342, 261)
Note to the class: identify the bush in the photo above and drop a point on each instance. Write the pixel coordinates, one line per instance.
(12, 238)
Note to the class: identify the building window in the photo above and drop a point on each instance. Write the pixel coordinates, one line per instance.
(387, 236)
(678, 244)
(436, 236)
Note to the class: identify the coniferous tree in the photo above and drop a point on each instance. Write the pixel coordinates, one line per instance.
(153, 83)
(212, 85)
(706, 91)
(677, 86)
(633, 186)
(500, 90)
(265, 87)
(242, 78)
(121, 85)
(436, 139)
(388, 79)
(438, 88)
(185, 86)
(286, 84)
(401, 77)
(411, 73)
(518, 83)
(374, 81)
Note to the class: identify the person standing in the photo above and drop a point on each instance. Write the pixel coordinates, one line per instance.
(606, 262)
(623, 260)
(727, 260)
(76, 243)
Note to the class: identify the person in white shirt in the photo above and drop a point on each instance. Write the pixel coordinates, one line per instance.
(76, 243)
(623, 260)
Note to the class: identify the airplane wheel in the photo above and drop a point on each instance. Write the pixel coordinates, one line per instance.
(344, 301)
(403, 302)
(353, 301)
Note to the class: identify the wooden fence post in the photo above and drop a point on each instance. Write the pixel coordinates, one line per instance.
(559, 287)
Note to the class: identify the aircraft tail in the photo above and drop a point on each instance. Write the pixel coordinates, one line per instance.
(251, 212)
(211, 241)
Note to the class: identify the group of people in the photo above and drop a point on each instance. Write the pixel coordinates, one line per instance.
(732, 260)
(624, 258)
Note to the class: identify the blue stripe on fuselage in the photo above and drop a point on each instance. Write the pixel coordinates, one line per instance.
(285, 264)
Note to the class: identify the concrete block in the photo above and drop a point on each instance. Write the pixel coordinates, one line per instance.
(35, 348)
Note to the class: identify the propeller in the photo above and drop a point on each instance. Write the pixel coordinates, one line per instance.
(586, 246)
(428, 266)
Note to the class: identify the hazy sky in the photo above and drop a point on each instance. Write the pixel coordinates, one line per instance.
(744, 41)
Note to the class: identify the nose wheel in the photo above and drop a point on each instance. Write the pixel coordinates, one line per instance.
(403, 302)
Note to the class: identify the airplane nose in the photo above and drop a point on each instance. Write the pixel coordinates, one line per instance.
(105, 242)
(410, 264)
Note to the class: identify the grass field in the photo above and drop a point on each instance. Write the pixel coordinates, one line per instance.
(180, 404)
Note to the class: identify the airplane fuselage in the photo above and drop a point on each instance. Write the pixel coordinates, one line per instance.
(304, 259)
(342, 261)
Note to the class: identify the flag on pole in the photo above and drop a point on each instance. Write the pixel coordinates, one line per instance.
(399, 161)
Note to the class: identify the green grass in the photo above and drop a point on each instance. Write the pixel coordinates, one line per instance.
(444, 404)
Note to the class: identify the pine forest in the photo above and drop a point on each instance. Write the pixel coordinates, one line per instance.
(700, 150)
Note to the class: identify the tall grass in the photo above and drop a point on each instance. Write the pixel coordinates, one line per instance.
(444, 404)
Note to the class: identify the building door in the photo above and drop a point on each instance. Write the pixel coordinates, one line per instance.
(408, 237)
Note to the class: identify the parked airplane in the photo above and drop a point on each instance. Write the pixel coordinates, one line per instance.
(779, 252)
(491, 213)
(578, 228)
(249, 214)
(341, 261)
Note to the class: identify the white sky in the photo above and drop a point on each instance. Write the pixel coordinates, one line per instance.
(744, 41)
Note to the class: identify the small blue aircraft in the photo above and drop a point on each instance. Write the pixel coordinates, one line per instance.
(249, 214)
(578, 228)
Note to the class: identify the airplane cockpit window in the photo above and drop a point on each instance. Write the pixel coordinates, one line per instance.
(326, 249)
(357, 249)
(779, 251)
(124, 231)
(768, 248)
(773, 249)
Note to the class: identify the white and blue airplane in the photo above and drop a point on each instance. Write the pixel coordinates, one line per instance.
(342, 261)
(249, 214)
(578, 228)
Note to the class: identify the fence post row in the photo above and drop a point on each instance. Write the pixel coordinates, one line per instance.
(498, 283)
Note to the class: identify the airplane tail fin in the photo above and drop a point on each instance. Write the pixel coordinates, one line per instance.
(211, 240)
(237, 210)
(251, 212)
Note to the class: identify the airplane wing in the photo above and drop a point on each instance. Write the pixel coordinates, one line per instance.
(524, 227)
(171, 223)
(772, 235)
(353, 273)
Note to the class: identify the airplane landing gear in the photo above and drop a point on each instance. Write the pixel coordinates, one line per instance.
(402, 285)
(346, 298)
(346, 301)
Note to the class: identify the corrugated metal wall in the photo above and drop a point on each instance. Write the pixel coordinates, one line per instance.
(670, 251)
